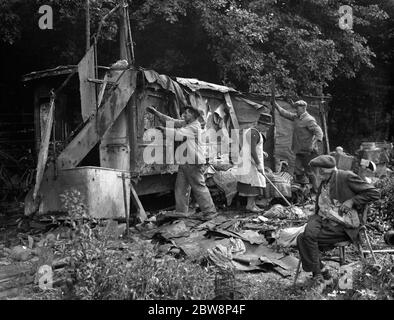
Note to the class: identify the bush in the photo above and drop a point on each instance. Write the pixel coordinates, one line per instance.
(375, 283)
(135, 273)
(104, 269)
(385, 205)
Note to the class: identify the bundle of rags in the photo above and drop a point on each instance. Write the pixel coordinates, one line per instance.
(282, 181)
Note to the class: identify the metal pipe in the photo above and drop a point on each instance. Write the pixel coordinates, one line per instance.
(369, 245)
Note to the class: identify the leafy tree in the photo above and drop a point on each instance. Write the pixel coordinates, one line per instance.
(298, 42)
(244, 44)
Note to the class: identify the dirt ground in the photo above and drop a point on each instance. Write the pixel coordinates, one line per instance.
(17, 230)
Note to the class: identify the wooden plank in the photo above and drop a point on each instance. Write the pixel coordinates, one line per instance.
(11, 271)
(323, 115)
(141, 214)
(87, 89)
(99, 123)
(44, 147)
(231, 109)
(102, 90)
(127, 212)
(99, 81)
(233, 116)
(133, 132)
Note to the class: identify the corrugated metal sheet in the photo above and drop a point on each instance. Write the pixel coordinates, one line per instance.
(195, 84)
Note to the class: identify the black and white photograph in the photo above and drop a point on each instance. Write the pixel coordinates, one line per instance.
(197, 155)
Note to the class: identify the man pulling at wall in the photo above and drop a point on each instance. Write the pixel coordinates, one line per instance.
(191, 173)
(305, 137)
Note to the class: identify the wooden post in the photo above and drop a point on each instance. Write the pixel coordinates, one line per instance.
(323, 115)
(273, 156)
(127, 216)
(87, 26)
(141, 214)
(44, 146)
(234, 120)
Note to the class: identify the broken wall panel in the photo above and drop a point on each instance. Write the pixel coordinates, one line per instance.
(144, 123)
(98, 125)
(86, 70)
(114, 146)
(284, 136)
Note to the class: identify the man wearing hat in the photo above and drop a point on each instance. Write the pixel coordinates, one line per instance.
(250, 168)
(305, 137)
(339, 191)
(191, 173)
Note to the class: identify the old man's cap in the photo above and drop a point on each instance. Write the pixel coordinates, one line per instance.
(323, 161)
(300, 103)
(266, 119)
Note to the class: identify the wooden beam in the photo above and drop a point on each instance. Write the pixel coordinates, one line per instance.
(86, 70)
(234, 120)
(141, 214)
(99, 81)
(44, 147)
(231, 109)
(102, 90)
(127, 211)
(323, 115)
(99, 123)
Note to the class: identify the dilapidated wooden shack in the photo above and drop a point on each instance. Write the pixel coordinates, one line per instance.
(90, 125)
(99, 124)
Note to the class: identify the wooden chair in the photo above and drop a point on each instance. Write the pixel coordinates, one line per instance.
(342, 245)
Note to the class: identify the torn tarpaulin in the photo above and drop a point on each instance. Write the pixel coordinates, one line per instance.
(167, 84)
(222, 254)
(264, 258)
(174, 230)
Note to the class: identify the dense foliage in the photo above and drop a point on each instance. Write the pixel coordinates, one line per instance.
(244, 44)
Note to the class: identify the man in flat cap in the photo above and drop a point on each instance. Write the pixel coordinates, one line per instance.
(250, 168)
(339, 193)
(190, 175)
(307, 133)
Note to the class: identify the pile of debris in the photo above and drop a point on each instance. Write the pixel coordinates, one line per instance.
(231, 241)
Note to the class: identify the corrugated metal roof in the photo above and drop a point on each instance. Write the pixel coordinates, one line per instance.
(195, 84)
(60, 70)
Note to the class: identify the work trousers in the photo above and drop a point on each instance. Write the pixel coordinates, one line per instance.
(319, 235)
(191, 177)
(302, 166)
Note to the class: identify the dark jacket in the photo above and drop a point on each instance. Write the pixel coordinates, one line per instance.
(306, 131)
(345, 185)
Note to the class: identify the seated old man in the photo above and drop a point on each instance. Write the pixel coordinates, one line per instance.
(341, 198)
